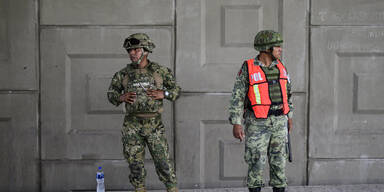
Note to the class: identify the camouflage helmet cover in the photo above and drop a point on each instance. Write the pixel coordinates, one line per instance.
(266, 39)
(139, 40)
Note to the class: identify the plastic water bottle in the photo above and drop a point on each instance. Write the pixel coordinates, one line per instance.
(100, 181)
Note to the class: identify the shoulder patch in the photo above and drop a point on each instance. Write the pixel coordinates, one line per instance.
(240, 72)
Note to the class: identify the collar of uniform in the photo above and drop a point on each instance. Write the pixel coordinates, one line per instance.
(136, 66)
(258, 62)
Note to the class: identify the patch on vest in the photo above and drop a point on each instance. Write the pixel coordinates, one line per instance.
(256, 76)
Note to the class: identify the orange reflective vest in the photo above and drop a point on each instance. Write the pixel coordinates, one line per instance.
(258, 92)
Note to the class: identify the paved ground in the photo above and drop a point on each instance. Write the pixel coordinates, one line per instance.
(322, 188)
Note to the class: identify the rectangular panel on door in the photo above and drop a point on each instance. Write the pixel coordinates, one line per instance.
(111, 12)
(206, 152)
(347, 12)
(18, 45)
(19, 161)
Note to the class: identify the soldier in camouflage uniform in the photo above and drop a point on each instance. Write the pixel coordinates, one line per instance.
(265, 137)
(142, 86)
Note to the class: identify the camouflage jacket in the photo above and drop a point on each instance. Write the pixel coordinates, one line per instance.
(133, 79)
(239, 100)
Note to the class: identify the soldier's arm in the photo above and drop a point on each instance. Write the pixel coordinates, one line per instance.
(290, 98)
(170, 85)
(115, 89)
(239, 92)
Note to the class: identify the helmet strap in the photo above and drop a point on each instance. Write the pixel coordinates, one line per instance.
(270, 53)
(273, 57)
(143, 53)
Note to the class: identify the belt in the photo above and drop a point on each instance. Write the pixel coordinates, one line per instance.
(277, 112)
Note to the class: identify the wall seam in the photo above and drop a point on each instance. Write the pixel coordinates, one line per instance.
(337, 26)
(110, 26)
(308, 86)
(39, 123)
(4, 91)
(345, 158)
(174, 71)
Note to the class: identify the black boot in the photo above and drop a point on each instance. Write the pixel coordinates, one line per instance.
(278, 189)
(257, 189)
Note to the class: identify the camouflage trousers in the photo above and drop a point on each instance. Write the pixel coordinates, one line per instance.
(138, 133)
(266, 138)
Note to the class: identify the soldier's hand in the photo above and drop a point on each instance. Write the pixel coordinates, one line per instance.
(289, 124)
(128, 97)
(238, 132)
(155, 94)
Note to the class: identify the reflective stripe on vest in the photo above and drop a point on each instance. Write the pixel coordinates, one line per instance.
(258, 91)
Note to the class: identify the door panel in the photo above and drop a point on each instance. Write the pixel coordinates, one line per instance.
(207, 154)
(347, 12)
(18, 45)
(346, 107)
(206, 151)
(215, 37)
(111, 12)
(80, 126)
(19, 159)
(19, 137)
(344, 172)
(213, 40)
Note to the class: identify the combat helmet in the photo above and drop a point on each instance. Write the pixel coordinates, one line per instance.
(139, 40)
(266, 39)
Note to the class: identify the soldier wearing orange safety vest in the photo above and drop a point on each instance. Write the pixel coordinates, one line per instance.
(262, 96)
(258, 92)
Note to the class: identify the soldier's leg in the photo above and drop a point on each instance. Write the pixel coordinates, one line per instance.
(256, 144)
(277, 152)
(158, 147)
(134, 152)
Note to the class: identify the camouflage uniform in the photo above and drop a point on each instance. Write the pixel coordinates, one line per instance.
(142, 123)
(263, 137)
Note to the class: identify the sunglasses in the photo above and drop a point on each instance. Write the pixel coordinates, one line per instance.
(131, 42)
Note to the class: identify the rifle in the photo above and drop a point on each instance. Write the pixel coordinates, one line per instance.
(289, 148)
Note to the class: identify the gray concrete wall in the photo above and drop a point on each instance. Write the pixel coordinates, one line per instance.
(58, 126)
(346, 109)
(19, 97)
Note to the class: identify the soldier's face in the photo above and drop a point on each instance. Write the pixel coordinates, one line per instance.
(135, 54)
(277, 52)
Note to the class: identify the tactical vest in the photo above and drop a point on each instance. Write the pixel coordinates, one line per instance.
(258, 91)
(139, 81)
